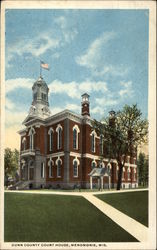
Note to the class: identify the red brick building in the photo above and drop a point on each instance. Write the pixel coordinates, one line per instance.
(62, 150)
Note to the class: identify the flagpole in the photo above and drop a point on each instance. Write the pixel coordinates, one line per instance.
(40, 69)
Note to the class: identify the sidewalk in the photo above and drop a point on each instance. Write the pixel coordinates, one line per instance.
(136, 229)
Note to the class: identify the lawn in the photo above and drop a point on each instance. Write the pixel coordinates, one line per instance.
(53, 218)
(134, 204)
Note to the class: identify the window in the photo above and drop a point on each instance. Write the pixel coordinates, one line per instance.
(24, 143)
(93, 143)
(50, 132)
(51, 169)
(76, 131)
(59, 136)
(93, 165)
(35, 96)
(43, 96)
(74, 139)
(117, 172)
(75, 168)
(59, 168)
(31, 138)
(123, 173)
(134, 171)
(101, 144)
(128, 173)
(42, 170)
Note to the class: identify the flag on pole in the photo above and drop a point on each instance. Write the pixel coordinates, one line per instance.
(44, 65)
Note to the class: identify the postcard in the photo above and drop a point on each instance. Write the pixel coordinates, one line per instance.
(78, 125)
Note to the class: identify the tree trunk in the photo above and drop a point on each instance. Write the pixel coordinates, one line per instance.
(119, 175)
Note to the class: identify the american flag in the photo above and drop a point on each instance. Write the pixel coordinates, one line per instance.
(44, 65)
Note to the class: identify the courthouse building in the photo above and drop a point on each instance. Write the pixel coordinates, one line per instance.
(63, 151)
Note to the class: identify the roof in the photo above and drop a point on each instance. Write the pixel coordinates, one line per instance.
(40, 82)
(97, 172)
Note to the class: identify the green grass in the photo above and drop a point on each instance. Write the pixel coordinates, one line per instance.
(53, 218)
(134, 204)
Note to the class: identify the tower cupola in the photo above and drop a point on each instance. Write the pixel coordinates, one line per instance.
(40, 104)
(85, 104)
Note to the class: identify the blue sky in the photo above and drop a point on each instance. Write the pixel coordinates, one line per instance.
(101, 52)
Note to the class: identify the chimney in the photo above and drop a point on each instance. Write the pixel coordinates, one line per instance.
(112, 117)
(85, 105)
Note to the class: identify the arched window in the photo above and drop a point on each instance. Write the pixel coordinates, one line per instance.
(59, 136)
(24, 143)
(134, 172)
(51, 168)
(123, 173)
(93, 165)
(50, 132)
(101, 144)
(117, 172)
(93, 143)
(128, 173)
(31, 138)
(74, 139)
(59, 168)
(42, 170)
(76, 131)
(75, 168)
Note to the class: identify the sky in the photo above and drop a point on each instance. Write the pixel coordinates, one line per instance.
(101, 52)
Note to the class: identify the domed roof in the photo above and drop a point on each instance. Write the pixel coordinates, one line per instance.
(40, 82)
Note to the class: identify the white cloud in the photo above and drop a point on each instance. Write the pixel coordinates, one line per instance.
(12, 84)
(73, 107)
(14, 118)
(106, 101)
(97, 110)
(94, 57)
(127, 90)
(36, 46)
(69, 32)
(75, 89)
(9, 104)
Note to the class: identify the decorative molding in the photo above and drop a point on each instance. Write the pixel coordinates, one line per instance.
(74, 154)
(58, 154)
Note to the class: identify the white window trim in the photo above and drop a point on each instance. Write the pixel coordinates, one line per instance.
(94, 162)
(128, 171)
(57, 130)
(75, 127)
(78, 163)
(24, 143)
(58, 159)
(95, 135)
(31, 135)
(50, 132)
(49, 164)
(43, 170)
(123, 178)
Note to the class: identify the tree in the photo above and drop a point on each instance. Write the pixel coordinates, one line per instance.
(11, 160)
(123, 132)
(142, 165)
